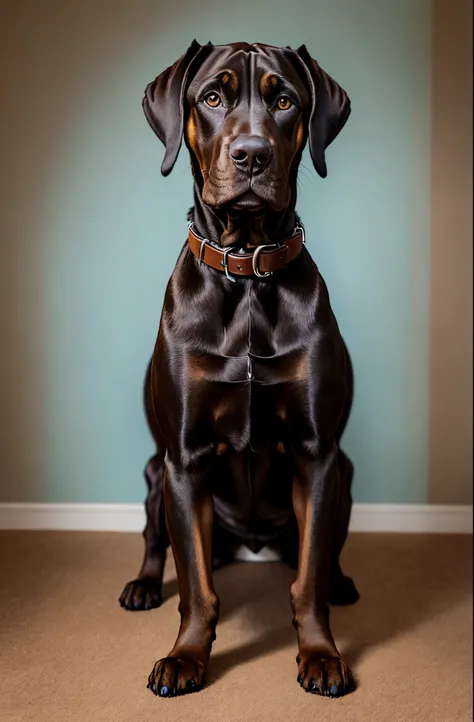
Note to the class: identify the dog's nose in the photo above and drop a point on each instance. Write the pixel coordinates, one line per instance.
(251, 153)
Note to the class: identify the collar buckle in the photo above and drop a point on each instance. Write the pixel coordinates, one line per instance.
(256, 254)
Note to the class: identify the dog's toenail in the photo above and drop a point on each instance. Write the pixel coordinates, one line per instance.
(164, 691)
(333, 690)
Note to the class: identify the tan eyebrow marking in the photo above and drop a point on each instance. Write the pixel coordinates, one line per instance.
(268, 82)
(229, 78)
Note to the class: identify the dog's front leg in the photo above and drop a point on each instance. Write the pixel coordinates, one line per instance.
(189, 516)
(315, 496)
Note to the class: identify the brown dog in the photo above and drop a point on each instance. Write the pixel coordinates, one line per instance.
(250, 385)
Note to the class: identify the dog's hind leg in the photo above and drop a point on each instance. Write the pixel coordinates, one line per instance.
(223, 546)
(342, 589)
(144, 592)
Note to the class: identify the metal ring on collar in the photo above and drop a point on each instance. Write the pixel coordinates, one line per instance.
(202, 248)
(256, 255)
(300, 227)
(225, 263)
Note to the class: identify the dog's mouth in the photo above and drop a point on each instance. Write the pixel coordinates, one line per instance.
(258, 197)
(248, 201)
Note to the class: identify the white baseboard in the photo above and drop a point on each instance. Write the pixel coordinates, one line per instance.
(408, 518)
(412, 518)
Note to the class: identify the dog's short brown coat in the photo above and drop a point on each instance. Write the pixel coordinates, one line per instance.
(250, 384)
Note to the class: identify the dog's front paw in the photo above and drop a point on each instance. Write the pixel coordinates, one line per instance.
(325, 675)
(141, 594)
(174, 676)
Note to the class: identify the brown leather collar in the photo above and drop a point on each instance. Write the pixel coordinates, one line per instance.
(261, 262)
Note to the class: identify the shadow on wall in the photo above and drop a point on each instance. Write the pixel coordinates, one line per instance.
(93, 231)
(66, 49)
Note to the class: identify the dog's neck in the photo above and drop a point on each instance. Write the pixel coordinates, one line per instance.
(242, 229)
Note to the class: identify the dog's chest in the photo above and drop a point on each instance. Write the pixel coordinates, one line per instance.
(254, 335)
(254, 368)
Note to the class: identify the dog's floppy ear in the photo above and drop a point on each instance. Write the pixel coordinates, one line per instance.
(330, 109)
(163, 103)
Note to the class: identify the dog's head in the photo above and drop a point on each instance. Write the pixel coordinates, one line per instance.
(246, 112)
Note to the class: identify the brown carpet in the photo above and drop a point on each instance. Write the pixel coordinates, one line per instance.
(69, 652)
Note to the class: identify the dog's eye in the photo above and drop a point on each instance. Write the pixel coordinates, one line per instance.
(284, 103)
(213, 100)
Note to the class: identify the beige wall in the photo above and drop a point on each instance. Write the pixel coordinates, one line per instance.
(450, 441)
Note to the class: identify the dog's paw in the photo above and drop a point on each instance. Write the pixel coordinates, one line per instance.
(342, 590)
(141, 594)
(325, 675)
(173, 676)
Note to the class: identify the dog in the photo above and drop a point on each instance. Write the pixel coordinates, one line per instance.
(249, 387)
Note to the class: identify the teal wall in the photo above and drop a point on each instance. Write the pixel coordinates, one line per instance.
(112, 227)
